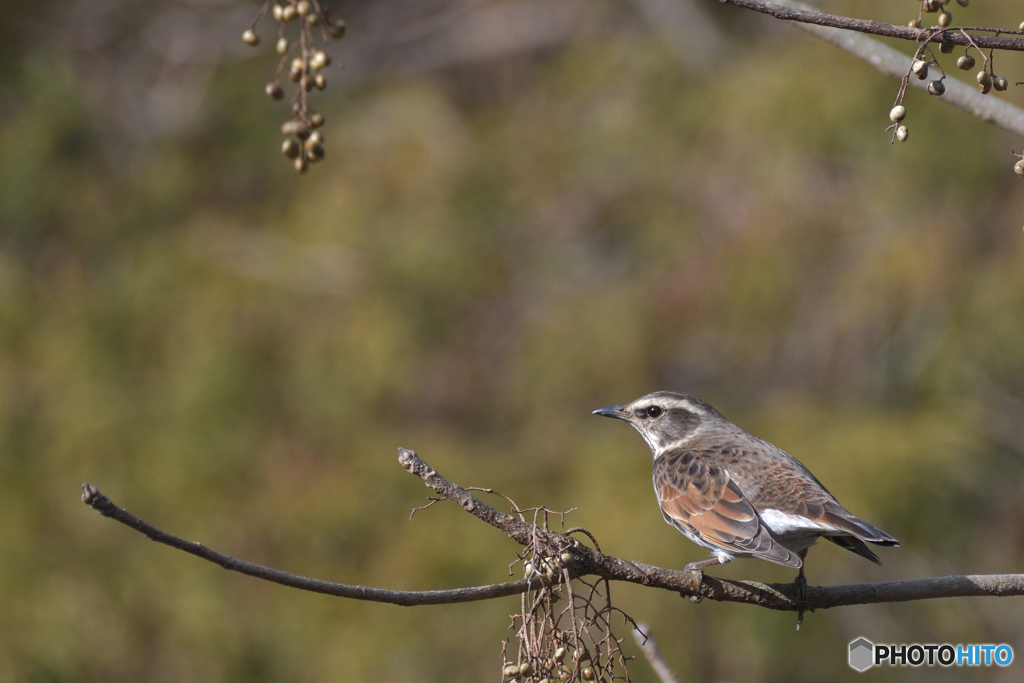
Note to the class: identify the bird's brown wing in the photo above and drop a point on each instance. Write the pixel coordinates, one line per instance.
(702, 500)
(788, 486)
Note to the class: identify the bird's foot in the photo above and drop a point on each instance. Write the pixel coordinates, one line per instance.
(696, 598)
(801, 593)
(801, 587)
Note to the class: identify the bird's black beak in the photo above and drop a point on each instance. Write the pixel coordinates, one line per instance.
(612, 411)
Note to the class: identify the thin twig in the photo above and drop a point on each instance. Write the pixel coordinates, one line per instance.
(97, 501)
(809, 15)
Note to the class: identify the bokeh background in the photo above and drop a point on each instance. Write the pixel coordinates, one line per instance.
(529, 209)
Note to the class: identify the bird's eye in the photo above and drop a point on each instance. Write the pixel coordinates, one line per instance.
(653, 411)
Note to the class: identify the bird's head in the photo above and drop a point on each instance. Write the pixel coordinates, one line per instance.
(665, 418)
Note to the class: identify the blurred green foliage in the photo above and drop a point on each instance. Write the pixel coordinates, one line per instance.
(234, 352)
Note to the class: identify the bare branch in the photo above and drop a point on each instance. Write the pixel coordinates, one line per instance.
(806, 15)
(584, 561)
(895, 64)
(97, 501)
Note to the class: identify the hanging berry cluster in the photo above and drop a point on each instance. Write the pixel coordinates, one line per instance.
(925, 58)
(305, 60)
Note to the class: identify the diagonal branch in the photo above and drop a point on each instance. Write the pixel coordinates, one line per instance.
(893, 63)
(584, 561)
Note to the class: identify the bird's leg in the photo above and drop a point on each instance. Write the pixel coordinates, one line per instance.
(698, 569)
(801, 587)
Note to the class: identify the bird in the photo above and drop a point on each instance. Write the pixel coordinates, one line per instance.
(735, 494)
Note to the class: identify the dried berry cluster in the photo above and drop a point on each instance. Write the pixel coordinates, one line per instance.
(304, 142)
(564, 628)
(925, 59)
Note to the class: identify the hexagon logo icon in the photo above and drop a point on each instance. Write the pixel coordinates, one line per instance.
(862, 654)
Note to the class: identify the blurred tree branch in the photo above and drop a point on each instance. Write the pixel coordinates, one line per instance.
(653, 655)
(585, 561)
(843, 32)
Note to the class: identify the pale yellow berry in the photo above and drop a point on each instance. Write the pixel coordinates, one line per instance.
(898, 113)
(290, 148)
(902, 133)
(249, 37)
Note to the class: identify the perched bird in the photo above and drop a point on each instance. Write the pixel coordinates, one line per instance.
(735, 494)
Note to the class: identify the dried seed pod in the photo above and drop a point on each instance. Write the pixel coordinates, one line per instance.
(510, 670)
(567, 558)
(528, 568)
(1018, 167)
(544, 680)
(287, 12)
(249, 37)
(319, 60)
(290, 148)
(920, 69)
(278, 12)
(282, 46)
(560, 653)
(581, 656)
(316, 120)
(914, 23)
(984, 78)
(932, 5)
(296, 128)
(320, 82)
(945, 19)
(315, 139)
(274, 91)
(963, 3)
(985, 88)
(312, 18)
(302, 7)
(902, 133)
(587, 673)
(965, 63)
(947, 47)
(565, 675)
(306, 83)
(297, 63)
(898, 113)
(294, 75)
(525, 669)
(1000, 83)
(936, 88)
(337, 29)
(1022, 26)
(301, 165)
